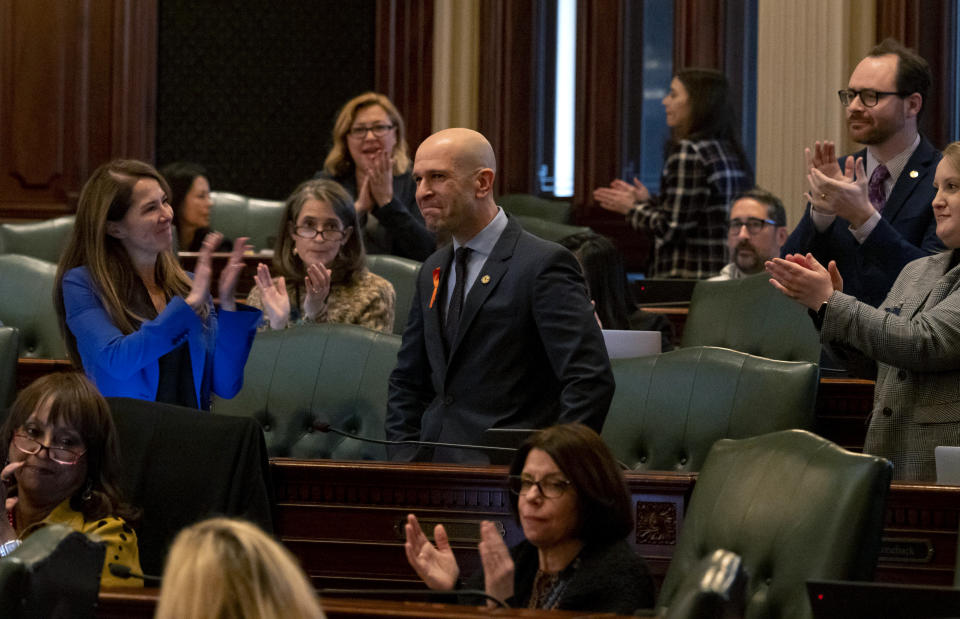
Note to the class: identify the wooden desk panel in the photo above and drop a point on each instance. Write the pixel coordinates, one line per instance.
(343, 519)
(119, 603)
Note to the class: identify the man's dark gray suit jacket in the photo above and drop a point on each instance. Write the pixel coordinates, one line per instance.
(529, 352)
(906, 231)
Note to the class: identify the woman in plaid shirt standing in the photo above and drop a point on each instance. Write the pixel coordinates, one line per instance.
(704, 169)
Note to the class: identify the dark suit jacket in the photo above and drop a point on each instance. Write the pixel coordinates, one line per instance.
(906, 231)
(529, 352)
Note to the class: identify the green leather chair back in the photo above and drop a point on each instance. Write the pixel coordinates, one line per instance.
(402, 273)
(54, 573)
(794, 506)
(548, 230)
(528, 205)
(669, 409)
(26, 302)
(752, 316)
(9, 349)
(235, 216)
(329, 373)
(43, 239)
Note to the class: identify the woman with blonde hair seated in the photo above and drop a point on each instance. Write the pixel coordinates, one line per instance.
(322, 266)
(230, 569)
(369, 159)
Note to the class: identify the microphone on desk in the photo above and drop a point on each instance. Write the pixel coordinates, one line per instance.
(123, 571)
(322, 426)
(422, 592)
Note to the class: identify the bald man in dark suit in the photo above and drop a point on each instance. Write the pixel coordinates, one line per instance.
(501, 332)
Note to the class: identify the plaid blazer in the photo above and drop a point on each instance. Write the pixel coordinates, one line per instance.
(915, 338)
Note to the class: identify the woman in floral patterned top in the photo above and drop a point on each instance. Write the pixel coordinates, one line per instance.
(322, 266)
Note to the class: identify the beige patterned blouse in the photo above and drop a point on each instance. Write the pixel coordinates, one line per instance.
(367, 301)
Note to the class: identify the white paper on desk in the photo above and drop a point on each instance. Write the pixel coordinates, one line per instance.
(625, 344)
(948, 465)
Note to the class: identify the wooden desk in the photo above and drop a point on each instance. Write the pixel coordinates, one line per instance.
(344, 519)
(119, 603)
(29, 370)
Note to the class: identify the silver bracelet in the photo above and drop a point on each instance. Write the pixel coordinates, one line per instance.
(8, 547)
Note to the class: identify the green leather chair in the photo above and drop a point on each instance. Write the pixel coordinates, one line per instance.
(329, 373)
(26, 302)
(402, 273)
(55, 573)
(794, 506)
(235, 216)
(669, 409)
(752, 316)
(716, 589)
(43, 239)
(549, 230)
(9, 349)
(529, 205)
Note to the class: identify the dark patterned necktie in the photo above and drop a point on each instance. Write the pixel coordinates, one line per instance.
(452, 323)
(875, 190)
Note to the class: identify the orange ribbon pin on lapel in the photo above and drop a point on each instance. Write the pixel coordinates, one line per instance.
(436, 284)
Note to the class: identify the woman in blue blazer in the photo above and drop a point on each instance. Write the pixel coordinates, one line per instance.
(132, 318)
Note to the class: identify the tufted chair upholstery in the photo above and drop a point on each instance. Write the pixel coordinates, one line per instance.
(43, 239)
(545, 229)
(794, 506)
(235, 215)
(402, 273)
(330, 373)
(527, 205)
(670, 408)
(26, 302)
(9, 349)
(752, 316)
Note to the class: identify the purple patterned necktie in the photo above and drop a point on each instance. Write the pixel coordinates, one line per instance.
(875, 190)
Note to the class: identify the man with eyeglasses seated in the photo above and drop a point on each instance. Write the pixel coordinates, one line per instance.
(871, 213)
(756, 232)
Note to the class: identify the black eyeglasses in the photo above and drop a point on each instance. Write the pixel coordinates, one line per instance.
(868, 96)
(326, 234)
(753, 224)
(550, 487)
(61, 455)
(358, 133)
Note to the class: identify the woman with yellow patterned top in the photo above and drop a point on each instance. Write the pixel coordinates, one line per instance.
(63, 467)
(322, 266)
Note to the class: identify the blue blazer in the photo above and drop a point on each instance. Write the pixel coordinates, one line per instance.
(907, 231)
(529, 352)
(128, 365)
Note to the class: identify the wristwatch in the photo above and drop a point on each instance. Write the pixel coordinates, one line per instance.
(819, 315)
(7, 547)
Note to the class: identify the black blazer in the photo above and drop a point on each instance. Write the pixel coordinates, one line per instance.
(529, 353)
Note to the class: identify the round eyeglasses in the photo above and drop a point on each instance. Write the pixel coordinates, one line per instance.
(360, 132)
(549, 488)
(326, 234)
(60, 455)
(753, 224)
(868, 96)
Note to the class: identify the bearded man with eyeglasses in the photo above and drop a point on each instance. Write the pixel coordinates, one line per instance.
(871, 213)
(756, 230)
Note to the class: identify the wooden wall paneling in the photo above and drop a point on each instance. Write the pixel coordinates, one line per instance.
(698, 34)
(506, 114)
(927, 27)
(76, 89)
(404, 66)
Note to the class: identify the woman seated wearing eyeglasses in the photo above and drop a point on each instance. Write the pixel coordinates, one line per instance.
(571, 501)
(63, 467)
(369, 160)
(322, 266)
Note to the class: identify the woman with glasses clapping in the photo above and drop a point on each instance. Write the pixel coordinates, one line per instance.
(569, 496)
(63, 467)
(322, 266)
(369, 160)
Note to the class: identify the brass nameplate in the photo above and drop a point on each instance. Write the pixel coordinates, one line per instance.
(906, 550)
